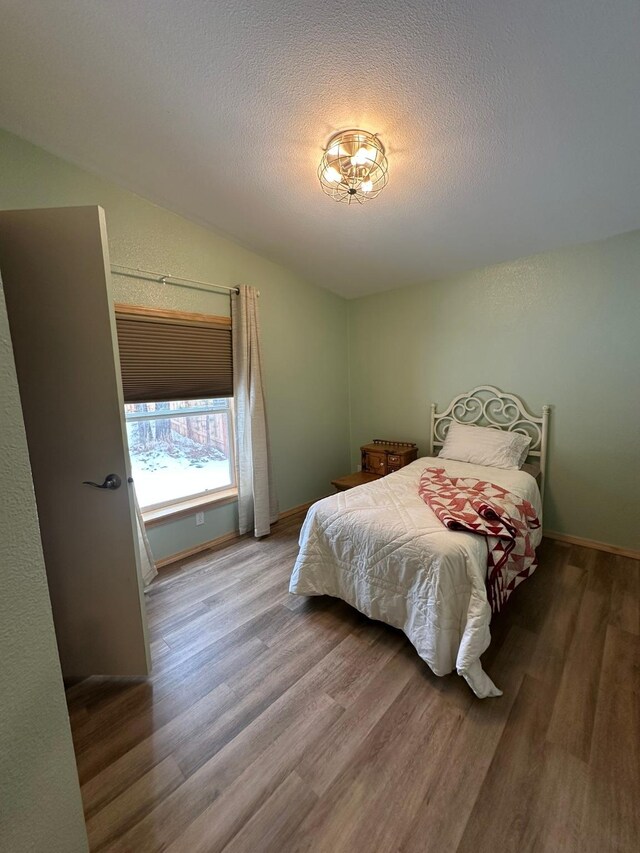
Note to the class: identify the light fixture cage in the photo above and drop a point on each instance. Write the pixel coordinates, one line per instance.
(354, 167)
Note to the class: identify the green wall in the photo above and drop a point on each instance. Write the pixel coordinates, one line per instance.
(560, 328)
(304, 328)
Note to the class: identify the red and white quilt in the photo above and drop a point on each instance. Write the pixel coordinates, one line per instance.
(504, 519)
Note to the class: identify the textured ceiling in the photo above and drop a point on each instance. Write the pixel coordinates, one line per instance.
(512, 126)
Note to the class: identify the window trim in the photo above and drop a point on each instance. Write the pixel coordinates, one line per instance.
(183, 508)
(124, 309)
(188, 504)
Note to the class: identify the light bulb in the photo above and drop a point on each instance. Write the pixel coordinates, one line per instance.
(366, 186)
(331, 175)
(362, 157)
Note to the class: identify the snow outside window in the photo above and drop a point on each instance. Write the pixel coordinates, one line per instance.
(180, 449)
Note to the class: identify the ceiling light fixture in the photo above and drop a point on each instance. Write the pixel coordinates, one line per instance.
(354, 166)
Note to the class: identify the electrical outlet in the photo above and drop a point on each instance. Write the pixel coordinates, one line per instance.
(199, 518)
(359, 468)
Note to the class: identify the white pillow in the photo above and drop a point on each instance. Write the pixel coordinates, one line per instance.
(496, 448)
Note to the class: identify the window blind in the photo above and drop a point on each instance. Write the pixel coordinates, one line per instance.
(172, 355)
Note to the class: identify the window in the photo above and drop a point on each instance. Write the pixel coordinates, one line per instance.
(180, 449)
(177, 382)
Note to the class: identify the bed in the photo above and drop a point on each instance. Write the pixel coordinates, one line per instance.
(381, 549)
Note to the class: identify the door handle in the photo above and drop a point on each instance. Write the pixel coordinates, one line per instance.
(111, 481)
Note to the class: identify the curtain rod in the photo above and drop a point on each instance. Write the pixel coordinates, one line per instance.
(163, 278)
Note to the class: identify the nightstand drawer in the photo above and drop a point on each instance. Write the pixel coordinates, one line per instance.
(383, 457)
(374, 463)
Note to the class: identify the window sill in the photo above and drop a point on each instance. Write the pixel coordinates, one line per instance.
(153, 517)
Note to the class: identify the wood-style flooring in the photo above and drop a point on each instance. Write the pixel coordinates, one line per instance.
(273, 723)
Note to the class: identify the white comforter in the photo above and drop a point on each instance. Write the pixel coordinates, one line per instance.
(381, 549)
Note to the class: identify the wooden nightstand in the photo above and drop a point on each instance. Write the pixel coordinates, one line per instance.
(385, 457)
(350, 481)
(378, 459)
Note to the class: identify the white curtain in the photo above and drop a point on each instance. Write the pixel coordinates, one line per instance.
(147, 561)
(257, 502)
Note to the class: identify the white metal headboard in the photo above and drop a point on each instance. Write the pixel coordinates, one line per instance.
(489, 407)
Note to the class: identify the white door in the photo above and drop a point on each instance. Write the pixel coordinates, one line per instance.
(55, 271)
